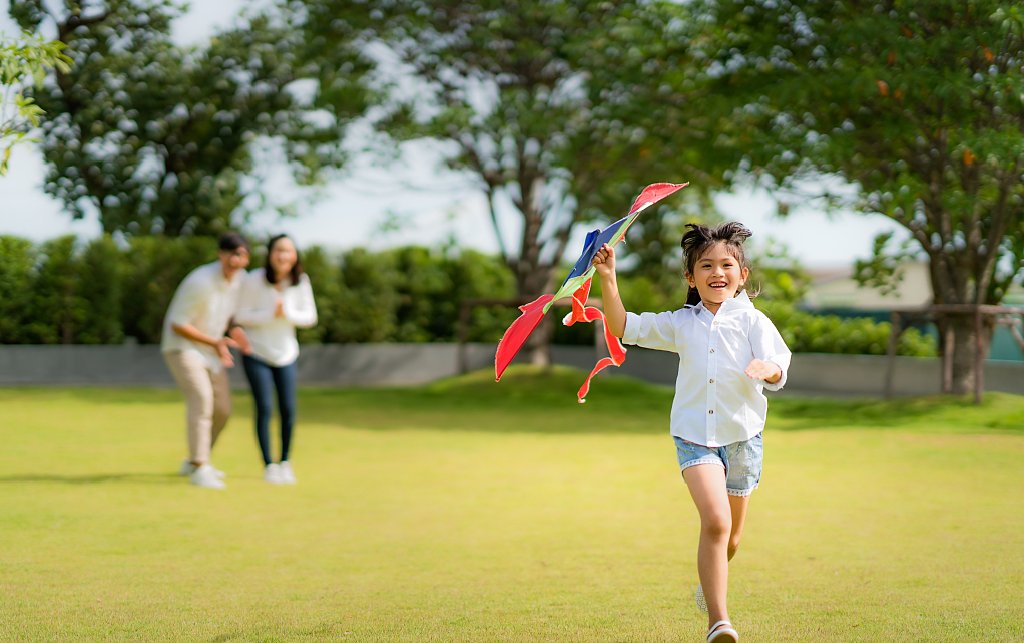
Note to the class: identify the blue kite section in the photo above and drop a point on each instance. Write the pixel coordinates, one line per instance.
(595, 239)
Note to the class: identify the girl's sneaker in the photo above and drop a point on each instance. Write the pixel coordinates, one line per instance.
(272, 473)
(698, 597)
(287, 475)
(722, 632)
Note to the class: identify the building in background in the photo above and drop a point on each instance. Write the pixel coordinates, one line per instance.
(835, 291)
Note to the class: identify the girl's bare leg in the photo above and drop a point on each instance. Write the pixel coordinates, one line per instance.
(738, 509)
(706, 483)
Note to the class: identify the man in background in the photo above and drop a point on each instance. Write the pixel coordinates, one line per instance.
(196, 342)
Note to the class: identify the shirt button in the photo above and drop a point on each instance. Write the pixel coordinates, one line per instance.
(711, 381)
(712, 350)
(711, 411)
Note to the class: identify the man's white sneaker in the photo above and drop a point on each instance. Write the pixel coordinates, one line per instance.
(272, 473)
(206, 477)
(287, 475)
(187, 468)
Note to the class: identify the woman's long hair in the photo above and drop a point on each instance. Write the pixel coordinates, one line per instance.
(268, 270)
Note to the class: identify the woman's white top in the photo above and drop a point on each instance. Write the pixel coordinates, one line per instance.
(273, 338)
(715, 402)
(204, 299)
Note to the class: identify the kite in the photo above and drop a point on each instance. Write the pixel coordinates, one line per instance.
(577, 286)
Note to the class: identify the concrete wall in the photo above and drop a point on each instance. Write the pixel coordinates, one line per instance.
(410, 364)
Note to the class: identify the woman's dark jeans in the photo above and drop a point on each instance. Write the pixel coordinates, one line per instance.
(263, 380)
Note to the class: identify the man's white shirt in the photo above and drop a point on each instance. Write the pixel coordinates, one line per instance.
(207, 300)
(715, 402)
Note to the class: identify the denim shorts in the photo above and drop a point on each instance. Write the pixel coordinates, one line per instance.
(741, 461)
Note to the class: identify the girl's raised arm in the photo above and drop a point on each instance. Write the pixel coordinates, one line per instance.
(614, 311)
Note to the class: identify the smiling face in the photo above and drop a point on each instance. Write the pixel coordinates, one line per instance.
(283, 257)
(717, 276)
(231, 261)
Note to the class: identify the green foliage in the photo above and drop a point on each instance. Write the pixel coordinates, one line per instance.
(57, 306)
(423, 311)
(155, 267)
(101, 281)
(103, 292)
(17, 262)
(368, 301)
(159, 139)
(554, 109)
(809, 333)
(478, 276)
(23, 63)
(916, 104)
(881, 271)
(413, 294)
(320, 267)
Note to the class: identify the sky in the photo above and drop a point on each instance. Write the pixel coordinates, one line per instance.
(429, 204)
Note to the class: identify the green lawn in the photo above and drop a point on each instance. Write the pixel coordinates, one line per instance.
(475, 511)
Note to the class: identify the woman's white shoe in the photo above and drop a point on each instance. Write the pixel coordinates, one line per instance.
(287, 475)
(272, 473)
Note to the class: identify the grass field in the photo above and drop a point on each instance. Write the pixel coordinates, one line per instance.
(475, 511)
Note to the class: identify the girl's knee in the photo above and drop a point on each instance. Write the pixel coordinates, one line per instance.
(717, 526)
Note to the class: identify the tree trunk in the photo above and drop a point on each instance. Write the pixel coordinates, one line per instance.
(962, 364)
(532, 281)
(538, 346)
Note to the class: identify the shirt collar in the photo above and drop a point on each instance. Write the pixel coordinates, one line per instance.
(740, 302)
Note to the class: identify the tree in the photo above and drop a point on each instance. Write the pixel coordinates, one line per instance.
(919, 106)
(17, 261)
(101, 283)
(158, 265)
(159, 139)
(556, 110)
(23, 63)
(57, 308)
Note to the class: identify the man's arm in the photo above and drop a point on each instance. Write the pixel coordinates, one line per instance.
(221, 344)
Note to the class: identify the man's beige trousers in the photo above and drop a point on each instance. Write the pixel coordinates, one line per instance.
(207, 401)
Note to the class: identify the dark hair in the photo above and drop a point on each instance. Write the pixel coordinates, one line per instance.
(269, 271)
(231, 241)
(699, 239)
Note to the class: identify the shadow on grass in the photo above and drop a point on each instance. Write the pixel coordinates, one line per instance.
(92, 478)
(124, 396)
(535, 400)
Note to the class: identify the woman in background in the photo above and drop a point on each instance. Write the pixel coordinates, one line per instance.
(275, 300)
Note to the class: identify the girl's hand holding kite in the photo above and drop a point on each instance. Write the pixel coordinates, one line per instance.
(577, 287)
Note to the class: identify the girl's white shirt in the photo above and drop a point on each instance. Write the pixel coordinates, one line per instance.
(273, 338)
(715, 403)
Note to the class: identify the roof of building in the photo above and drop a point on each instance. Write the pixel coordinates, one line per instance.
(836, 288)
